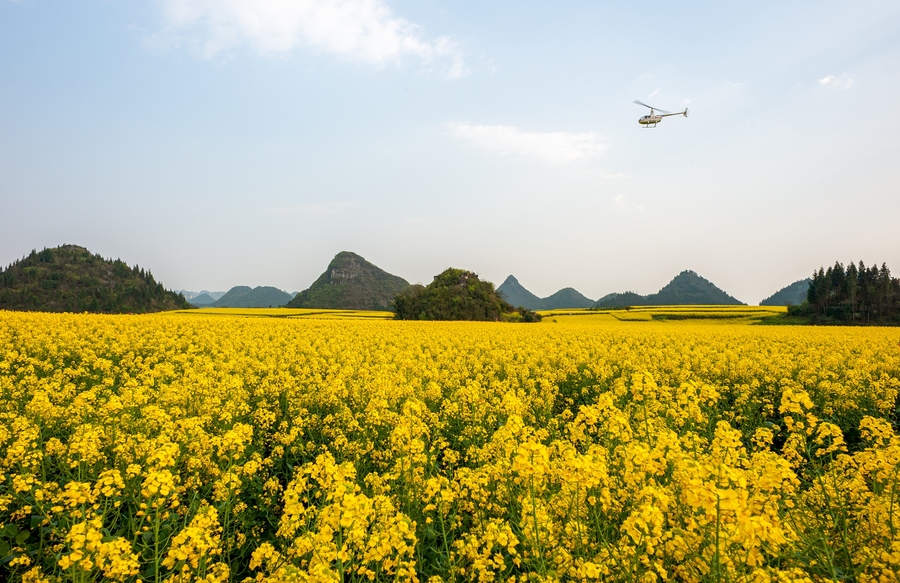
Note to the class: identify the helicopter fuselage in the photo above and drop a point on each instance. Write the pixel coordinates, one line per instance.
(650, 120)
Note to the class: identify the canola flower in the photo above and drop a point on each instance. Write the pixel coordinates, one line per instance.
(192, 447)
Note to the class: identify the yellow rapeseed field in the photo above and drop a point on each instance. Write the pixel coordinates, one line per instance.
(204, 447)
(291, 313)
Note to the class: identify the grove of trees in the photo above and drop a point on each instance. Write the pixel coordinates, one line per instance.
(457, 294)
(853, 294)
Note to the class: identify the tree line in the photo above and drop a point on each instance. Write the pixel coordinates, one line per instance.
(854, 294)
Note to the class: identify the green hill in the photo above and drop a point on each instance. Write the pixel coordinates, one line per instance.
(515, 293)
(457, 294)
(687, 288)
(203, 299)
(351, 283)
(243, 296)
(792, 295)
(567, 298)
(72, 279)
(620, 300)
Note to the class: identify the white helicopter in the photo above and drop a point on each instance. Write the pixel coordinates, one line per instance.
(650, 121)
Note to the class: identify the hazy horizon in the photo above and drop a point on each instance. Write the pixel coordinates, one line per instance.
(497, 283)
(248, 142)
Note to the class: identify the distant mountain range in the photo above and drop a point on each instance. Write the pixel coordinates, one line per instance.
(686, 288)
(70, 278)
(351, 283)
(792, 295)
(516, 294)
(243, 296)
(193, 295)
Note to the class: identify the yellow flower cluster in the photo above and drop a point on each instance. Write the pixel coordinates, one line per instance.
(190, 447)
(192, 550)
(330, 530)
(89, 552)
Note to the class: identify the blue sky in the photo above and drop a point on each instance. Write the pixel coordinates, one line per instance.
(245, 142)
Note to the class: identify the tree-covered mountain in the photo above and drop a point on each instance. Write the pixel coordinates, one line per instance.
(457, 294)
(242, 296)
(351, 283)
(516, 294)
(686, 288)
(72, 279)
(792, 295)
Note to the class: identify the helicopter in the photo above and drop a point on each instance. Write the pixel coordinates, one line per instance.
(650, 121)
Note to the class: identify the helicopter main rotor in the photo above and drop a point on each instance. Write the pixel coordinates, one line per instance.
(652, 109)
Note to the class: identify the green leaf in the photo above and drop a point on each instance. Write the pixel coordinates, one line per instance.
(36, 521)
(22, 536)
(11, 530)
(4, 548)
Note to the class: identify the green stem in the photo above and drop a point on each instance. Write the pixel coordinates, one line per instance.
(891, 507)
(444, 536)
(156, 545)
(537, 535)
(718, 559)
(340, 547)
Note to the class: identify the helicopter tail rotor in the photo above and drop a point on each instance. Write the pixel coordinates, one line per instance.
(685, 112)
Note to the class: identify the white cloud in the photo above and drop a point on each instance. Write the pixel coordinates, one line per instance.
(623, 205)
(364, 31)
(840, 82)
(655, 91)
(547, 146)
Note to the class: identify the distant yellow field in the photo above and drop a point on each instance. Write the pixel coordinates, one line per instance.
(669, 314)
(291, 313)
(636, 314)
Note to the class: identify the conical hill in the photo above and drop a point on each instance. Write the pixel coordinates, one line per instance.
(351, 283)
(516, 294)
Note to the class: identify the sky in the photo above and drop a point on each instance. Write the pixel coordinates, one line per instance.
(246, 142)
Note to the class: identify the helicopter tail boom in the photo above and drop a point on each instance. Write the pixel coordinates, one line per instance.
(684, 113)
